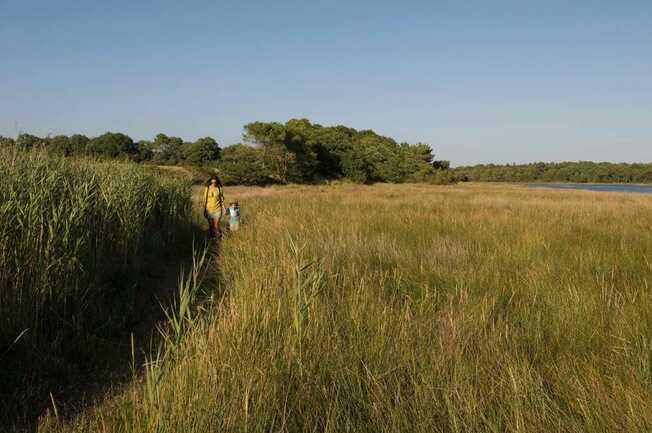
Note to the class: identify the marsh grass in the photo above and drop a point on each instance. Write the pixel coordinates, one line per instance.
(413, 308)
(74, 235)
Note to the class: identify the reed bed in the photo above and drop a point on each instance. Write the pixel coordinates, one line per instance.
(73, 237)
(413, 309)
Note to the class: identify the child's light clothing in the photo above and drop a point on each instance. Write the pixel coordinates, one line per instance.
(234, 218)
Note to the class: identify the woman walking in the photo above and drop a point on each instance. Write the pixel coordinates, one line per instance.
(214, 205)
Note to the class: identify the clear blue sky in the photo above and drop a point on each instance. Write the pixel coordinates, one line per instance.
(481, 81)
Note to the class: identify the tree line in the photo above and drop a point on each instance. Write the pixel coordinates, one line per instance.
(301, 151)
(271, 152)
(579, 172)
(161, 150)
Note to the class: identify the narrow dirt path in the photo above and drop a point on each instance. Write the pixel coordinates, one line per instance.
(111, 367)
(114, 361)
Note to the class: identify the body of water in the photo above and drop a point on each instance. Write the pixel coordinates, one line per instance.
(607, 187)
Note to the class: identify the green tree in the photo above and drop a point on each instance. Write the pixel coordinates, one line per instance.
(264, 134)
(78, 144)
(243, 165)
(382, 155)
(305, 151)
(28, 141)
(112, 144)
(59, 145)
(301, 138)
(416, 162)
(355, 165)
(580, 171)
(441, 165)
(167, 150)
(334, 145)
(145, 152)
(201, 151)
(278, 161)
(6, 141)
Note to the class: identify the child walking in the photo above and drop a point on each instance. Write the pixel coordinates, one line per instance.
(234, 216)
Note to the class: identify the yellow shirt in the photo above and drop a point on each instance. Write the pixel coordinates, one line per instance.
(215, 199)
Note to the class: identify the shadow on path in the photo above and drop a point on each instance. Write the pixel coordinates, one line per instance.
(111, 367)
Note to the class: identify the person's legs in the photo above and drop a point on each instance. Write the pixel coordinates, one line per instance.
(214, 224)
(218, 229)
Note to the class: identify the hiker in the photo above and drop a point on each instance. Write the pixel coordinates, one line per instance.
(234, 216)
(214, 205)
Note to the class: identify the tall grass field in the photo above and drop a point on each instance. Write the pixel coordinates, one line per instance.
(73, 238)
(408, 308)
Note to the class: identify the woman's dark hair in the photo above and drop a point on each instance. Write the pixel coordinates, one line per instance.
(217, 180)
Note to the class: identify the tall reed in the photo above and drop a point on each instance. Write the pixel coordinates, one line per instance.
(70, 230)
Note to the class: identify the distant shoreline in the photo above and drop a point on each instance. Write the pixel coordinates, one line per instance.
(554, 182)
(595, 187)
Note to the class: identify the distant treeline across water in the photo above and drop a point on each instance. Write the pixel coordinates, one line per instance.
(604, 187)
(579, 172)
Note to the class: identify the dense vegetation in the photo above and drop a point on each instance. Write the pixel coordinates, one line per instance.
(297, 151)
(302, 152)
(111, 145)
(74, 239)
(583, 171)
(394, 308)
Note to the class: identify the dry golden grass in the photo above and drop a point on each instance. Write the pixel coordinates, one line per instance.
(387, 308)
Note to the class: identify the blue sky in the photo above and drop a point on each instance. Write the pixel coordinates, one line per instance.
(481, 81)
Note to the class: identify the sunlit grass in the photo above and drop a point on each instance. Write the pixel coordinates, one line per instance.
(414, 308)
